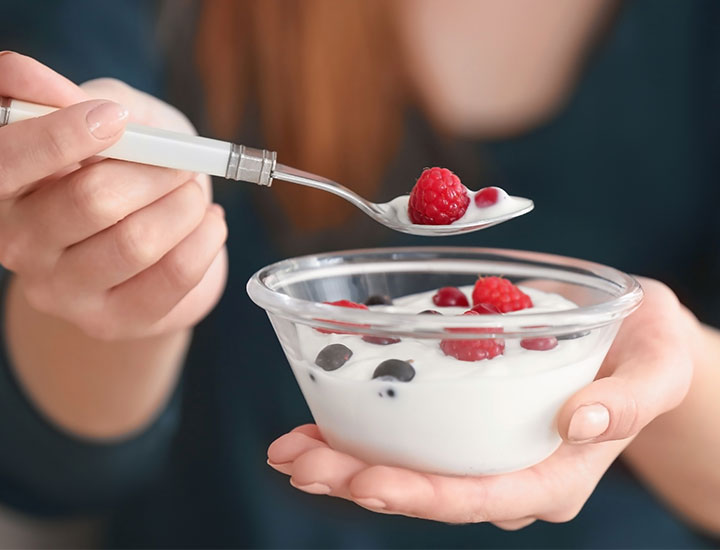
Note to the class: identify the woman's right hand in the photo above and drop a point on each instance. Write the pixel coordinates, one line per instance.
(120, 250)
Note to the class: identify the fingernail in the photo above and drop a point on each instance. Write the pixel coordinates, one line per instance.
(588, 422)
(106, 120)
(5, 52)
(374, 503)
(312, 488)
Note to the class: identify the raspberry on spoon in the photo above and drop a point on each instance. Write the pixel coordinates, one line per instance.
(438, 198)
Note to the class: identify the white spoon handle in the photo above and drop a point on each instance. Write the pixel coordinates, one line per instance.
(168, 149)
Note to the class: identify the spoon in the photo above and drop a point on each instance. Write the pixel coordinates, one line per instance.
(146, 145)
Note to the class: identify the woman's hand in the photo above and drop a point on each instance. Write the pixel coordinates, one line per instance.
(646, 373)
(120, 250)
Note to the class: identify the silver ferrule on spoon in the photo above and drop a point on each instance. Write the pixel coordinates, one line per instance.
(4, 111)
(168, 149)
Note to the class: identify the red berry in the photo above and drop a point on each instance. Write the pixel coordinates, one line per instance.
(341, 303)
(346, 303)
(539, 344)
(486, 197)
(438, 198)
(449, 296)
(485, 309)
(500, 293)
(380, 340)
(475, 349)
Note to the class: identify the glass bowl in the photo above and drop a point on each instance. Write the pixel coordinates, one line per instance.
(454, 416)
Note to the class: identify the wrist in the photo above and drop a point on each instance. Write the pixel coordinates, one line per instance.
(88, 387)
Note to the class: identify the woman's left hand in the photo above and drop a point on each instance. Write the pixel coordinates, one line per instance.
(646, 373)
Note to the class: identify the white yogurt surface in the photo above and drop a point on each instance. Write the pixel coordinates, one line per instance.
(429, 362)
(454, 417)
(505, 204)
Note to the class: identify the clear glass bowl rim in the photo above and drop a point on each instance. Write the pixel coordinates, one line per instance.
(435, 326)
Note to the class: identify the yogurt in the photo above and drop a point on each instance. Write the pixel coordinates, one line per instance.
(505, 204)
(454, 417)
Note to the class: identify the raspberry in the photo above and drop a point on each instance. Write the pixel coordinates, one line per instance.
(486, 197)
(438, 198)
(500, 293)
(476, 349)
(539, 344)
(485, 309)
(341, 303)
(449, 296)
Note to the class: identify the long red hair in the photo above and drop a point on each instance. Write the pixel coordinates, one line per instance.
(326, 76)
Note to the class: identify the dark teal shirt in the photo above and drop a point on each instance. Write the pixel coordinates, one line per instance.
(626, 174)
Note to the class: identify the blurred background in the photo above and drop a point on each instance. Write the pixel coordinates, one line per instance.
(604, 112)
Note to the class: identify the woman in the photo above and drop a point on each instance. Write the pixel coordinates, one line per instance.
(141, 295)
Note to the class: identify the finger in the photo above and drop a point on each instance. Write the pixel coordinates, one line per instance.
(33, 149)
(134, 244)
(27, 79)
(324, 471)
(310, 430)
(649, 369)
(554, 490)
(91, 199)
(514, 525)
(144, 108)
(290, 446)
(151, 295)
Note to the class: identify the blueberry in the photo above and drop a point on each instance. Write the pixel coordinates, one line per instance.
(381, 340)
(378, 300)
(402, 371)
(333, 357)
(429, 312)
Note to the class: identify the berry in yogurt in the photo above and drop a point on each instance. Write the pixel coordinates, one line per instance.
(378, 300)
(341, 303)
(380, 340)
(539, 344)
(500, 293)
(450, 296)
(333, 357)
(395, 369)
(474, 349)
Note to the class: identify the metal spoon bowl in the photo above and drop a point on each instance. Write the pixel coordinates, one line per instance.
(393, 214)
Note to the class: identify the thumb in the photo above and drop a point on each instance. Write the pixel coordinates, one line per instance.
(649, 369)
